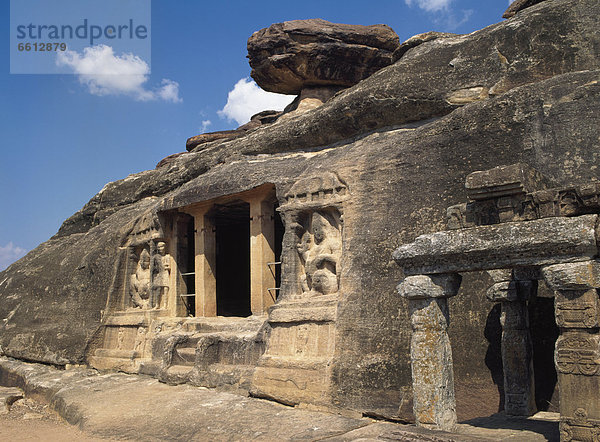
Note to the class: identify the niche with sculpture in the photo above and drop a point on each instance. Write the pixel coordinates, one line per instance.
(149, 283)
(319, 250)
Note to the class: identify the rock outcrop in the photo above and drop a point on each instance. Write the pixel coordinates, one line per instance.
(519, 5)
(286, 57)
(397, 148)
(418, 39)
(436, 77)
(264, 117)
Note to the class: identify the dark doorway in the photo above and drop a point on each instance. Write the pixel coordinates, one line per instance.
(186, 264)
(544, 333)
(232, 225)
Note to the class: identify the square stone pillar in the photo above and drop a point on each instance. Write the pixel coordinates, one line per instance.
(434, 404)
(517, 348)
(205, 264)
(577, 354)
(262, 252)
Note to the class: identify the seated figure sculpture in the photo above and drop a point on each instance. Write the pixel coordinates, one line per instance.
(139, 287)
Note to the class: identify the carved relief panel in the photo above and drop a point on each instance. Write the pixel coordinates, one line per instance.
(319, 250)
(578, 354)
(148, 286)
(143, 273)
(313, 213)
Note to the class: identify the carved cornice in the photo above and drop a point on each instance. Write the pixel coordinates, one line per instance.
(322, 190)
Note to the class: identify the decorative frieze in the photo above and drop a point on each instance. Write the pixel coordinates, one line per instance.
(578, 354)
(579, 427)
(517, 193)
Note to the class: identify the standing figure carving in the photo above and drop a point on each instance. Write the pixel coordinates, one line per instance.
(139, 287)
(161, 271)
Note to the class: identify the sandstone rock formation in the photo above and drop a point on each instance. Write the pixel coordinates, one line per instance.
(418, 39)
(381, 161)
(286, 57)
(437, 77)
(519, 5)
(264, 117)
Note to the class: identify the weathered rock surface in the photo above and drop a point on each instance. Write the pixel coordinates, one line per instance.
(121, 407)
(542, 109)
(8, 396)
(286, 57)
(418, 39)
(264, 117)
(519, 5)
(558, 37)
(118, 406)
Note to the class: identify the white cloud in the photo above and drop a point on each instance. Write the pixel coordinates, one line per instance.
(247, 99)
(205, 124)
(430, 5)
(9, 254)
(105, 73)
(169, 91)
(444, 16)
(452, 22)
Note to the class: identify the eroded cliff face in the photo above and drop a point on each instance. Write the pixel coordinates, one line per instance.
(403, 141)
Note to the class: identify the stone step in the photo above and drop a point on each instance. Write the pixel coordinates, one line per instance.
(216, 324)
(116, 353)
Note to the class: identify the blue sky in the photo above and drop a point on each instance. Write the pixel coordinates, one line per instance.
(65, 136)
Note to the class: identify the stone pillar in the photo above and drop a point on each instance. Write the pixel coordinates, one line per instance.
(262, 252)
(577, 354)
(434, 404)
(513, 293)
(205, 265)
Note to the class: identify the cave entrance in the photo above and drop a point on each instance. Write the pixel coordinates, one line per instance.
(237, 253)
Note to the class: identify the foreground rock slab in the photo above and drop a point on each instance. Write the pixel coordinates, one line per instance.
(117, 406)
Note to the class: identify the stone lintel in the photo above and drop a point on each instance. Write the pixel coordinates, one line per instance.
(529, 243)
(430, 286)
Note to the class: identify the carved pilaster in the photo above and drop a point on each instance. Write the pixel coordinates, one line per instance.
(431, 353)
(577, 354)
(517, 348)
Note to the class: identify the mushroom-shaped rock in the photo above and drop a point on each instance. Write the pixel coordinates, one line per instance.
(287, 57)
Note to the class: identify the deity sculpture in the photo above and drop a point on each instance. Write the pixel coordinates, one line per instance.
(320, 251)
(139, 288)
(161, 271)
